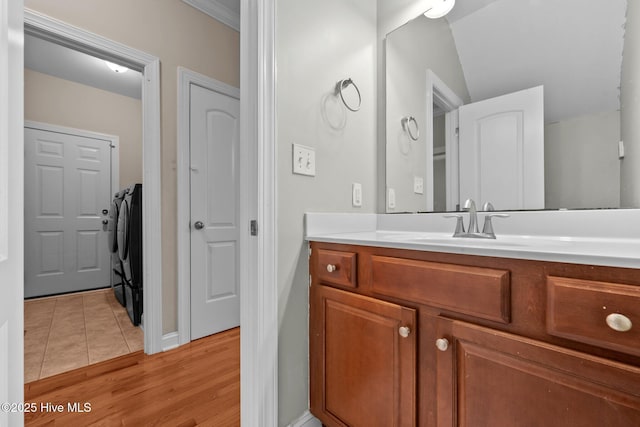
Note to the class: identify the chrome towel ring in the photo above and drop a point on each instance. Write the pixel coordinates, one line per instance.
(343, 84)
(406, 125)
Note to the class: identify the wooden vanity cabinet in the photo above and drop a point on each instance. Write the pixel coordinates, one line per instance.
(363, 372)
(412, 338)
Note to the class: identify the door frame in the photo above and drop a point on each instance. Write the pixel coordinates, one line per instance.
(439, 93)
(258, 183)
(57, 31)
(186, 78)
(11, 209)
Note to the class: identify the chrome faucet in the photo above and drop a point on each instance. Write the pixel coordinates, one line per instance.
(473, 232)
(470, 206)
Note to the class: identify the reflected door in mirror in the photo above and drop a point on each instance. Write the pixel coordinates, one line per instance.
(501, 150)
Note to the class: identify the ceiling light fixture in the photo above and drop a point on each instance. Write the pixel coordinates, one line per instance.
(440, 8)
(116, 68)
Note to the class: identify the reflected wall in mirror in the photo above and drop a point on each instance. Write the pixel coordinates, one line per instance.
(578, 53)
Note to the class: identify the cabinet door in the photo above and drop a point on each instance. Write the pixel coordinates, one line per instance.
(362, 359)
(490, 378)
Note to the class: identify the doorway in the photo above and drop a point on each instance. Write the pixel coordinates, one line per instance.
(60, 33)
(72, 317)
(442, 160)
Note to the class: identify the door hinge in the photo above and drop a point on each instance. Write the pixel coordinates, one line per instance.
(457, 131)
(254, 227)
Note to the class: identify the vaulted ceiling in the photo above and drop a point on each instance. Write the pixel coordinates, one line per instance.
(572, 47)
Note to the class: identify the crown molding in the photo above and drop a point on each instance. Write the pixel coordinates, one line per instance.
(217, 11)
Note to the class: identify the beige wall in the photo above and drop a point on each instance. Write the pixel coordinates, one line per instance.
(61, 102)
(180, 36)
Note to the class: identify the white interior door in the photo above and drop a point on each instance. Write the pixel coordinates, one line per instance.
(214, 159)
(501, 150)
(67, 196)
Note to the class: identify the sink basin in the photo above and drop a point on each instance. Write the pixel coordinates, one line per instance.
(466, 241)
(499, 241)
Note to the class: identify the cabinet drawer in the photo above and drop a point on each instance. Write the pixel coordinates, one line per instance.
(479, 292)
(337, 267)
(581, 310)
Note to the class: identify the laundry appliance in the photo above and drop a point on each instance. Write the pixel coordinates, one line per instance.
(129, 241)
(117, 284)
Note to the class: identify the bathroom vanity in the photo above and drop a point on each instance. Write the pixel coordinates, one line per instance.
(403, 336)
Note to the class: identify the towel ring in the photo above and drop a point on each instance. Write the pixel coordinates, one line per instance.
(406, 126)
(343, 84)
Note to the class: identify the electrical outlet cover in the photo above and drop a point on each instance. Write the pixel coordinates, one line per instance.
(418, 185)
(356, 194)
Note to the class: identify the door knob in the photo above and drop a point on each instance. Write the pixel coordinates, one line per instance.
(104, 211)
(404, 331)
(199, 225)
(442, 344)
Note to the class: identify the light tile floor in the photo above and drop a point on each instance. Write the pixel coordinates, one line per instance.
(71, 331)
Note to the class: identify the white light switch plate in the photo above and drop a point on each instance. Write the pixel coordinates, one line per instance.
(304, 160)
(418, 185)
(356, 194)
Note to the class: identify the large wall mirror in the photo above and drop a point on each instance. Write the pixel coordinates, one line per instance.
(516, 102)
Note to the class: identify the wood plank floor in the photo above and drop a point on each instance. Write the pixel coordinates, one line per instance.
(195, 385)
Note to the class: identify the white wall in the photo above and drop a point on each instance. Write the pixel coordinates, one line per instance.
(630, 109)
(411, 50)
(318, 44)
(582, 169)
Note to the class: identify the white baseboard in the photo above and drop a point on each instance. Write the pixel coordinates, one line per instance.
(306, 420)
(170, 341)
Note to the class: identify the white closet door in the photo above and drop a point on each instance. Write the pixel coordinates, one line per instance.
(502, 150)
(214, 147)
(67, 188)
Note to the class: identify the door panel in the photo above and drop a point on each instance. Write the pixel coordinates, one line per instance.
(490, 378)
(502, 150)
(67, 185)
(363, 373)
(214, 139)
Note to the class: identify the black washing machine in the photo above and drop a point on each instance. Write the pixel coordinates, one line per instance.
(129, 241)
(117, 284)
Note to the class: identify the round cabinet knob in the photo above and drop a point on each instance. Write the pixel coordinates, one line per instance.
(619, 322)
(442, 344)
(331, 268)
(404, 331)
(199, 225)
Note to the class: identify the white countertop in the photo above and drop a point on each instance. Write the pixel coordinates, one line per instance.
(603, 247)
